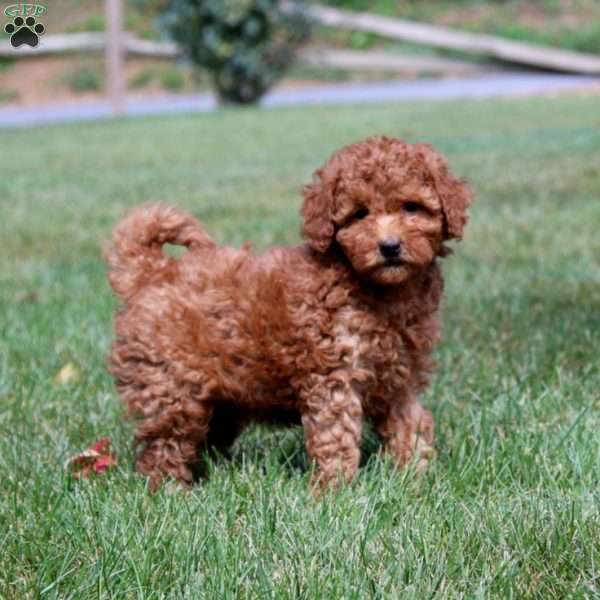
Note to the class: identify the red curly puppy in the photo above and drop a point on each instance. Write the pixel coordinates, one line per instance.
(327, 334)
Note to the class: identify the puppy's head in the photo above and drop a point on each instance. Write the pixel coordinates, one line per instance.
(388, 205)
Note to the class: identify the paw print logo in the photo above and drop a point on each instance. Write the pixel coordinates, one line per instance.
(24, 31)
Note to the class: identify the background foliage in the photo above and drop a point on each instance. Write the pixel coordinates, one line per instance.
(247, 45)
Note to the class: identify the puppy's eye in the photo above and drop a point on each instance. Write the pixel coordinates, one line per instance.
(412, 207)
(360, 214)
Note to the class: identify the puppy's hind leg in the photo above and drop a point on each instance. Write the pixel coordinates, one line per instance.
(170, 442)
(172, 420)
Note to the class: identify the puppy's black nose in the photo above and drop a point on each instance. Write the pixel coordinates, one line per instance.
(390, 248)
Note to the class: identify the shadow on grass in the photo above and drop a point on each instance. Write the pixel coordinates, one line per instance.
(281, 448)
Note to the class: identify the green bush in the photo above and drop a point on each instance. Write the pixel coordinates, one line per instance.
(172, 79)
(6, 64)
(94, 22)
(84, 79)
(246, 45)
(7, 96)
(141, 79)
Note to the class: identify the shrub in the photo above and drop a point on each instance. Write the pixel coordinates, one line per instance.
(172, 79)
(84, 79)
(7, 96)
(246, 45)
(6, 64)
(141, 79)
(94, 22)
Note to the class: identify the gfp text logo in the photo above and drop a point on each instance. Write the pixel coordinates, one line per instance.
(24, 28)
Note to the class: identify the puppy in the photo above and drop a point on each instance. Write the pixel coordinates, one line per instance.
(326, 334)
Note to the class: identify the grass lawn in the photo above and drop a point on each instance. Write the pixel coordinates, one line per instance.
(511, 507)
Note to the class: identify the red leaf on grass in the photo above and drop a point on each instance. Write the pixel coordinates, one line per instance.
(97, 459)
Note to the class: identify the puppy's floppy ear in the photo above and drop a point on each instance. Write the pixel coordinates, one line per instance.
(317, 210)
(455, 194)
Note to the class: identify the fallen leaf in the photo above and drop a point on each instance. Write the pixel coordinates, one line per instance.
(97, 459)
(68, 374)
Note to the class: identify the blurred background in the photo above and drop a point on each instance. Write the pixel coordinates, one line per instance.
(265, 92)
(164, 54)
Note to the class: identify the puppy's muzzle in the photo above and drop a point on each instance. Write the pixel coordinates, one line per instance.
(390, 249)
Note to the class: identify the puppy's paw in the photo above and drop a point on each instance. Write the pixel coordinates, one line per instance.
(423, 452)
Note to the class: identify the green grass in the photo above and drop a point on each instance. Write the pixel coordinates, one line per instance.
(510, 509)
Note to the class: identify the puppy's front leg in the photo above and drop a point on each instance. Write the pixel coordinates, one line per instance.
(407, 431)
(332, 421)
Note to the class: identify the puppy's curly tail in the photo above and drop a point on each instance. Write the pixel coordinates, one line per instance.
(136, 257)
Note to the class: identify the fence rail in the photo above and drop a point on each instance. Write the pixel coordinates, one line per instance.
(522, 53)
(315, 57)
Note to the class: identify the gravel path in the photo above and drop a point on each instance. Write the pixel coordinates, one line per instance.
(485, 86)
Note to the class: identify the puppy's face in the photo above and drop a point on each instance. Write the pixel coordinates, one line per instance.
(389, 206)
(389, 234)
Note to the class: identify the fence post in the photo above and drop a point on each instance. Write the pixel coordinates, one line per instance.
(115, 56)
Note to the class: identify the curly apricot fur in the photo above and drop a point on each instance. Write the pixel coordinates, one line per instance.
(326, 334)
